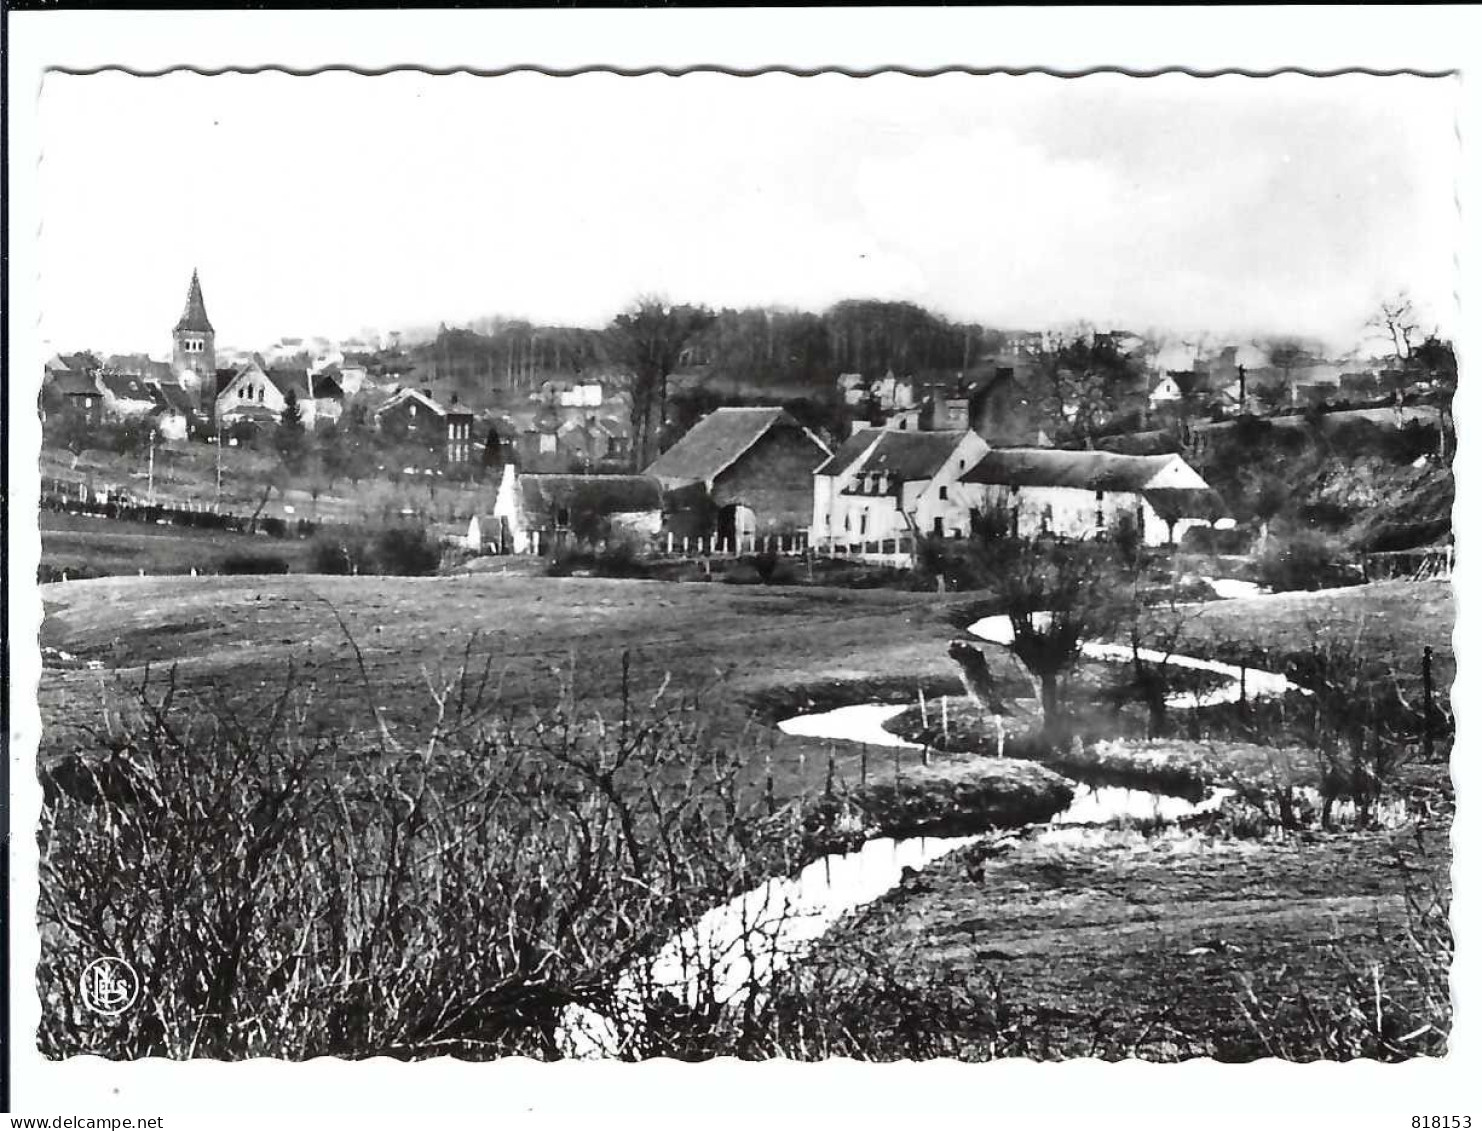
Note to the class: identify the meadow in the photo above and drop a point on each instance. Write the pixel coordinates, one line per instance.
(1152, 940)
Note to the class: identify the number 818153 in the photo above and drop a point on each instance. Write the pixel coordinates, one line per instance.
(1442, 1122)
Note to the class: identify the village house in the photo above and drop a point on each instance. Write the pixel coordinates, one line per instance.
(415, 415)
(125, 396)
(329, 398)
(890, 484)
(79, 392)
(1086, 494)
(248, 387)
(533, 512)
(175, 410)
(754, 465)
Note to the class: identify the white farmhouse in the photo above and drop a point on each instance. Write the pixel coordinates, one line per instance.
(891, 483)
(1083, 494)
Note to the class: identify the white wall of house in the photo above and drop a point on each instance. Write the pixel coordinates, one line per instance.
(1070, 512)
(839, 514)
(1073, 512)
(173, 426)
(507, 507)
(945, 496)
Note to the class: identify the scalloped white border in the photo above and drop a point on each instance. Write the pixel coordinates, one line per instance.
(1131, 1095)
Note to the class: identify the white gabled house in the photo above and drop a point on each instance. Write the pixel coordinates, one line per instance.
(890, 483)
(534, 512)
(1085, 494)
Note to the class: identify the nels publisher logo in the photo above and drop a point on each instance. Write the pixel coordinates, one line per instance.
(109, 986)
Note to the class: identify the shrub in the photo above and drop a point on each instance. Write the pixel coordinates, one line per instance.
(340, 554)
(407, 551)
(1302, 558)
(765, 564)
(450, 896)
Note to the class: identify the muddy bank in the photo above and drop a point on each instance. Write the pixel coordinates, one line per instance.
(956, 798)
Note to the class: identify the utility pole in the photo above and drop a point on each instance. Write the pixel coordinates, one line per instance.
(151, 467)
(218, 466)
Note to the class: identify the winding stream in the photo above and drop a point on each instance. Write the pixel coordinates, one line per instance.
(743, 944)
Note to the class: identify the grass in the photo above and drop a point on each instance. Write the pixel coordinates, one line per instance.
(234, 639)
(84, 546)
(1161, 947)
(1048, 949)
(958, 798)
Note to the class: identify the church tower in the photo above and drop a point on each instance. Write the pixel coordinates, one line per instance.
(195, 345)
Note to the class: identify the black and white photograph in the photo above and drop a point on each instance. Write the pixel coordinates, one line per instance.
(605, 567)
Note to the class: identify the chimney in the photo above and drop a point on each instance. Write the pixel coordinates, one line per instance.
(455, 398)
(427, 393)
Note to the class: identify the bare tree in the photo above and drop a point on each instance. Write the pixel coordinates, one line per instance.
(1396, 320)
(1057, 595)
(650, 338)
(1084, 380)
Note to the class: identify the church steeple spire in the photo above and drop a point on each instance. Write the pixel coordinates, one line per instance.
(194, 317)
(194, 364)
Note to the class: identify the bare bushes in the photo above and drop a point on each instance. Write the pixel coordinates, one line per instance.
(403, 551)
(1301, 557)
(288, 892)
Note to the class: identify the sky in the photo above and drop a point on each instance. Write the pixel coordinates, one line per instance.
(330, 204)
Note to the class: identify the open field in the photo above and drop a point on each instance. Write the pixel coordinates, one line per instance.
(1078, 942)
(84, 545)
(773, 650)
(238, 641)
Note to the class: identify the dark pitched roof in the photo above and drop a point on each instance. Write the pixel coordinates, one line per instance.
(1089, 471)
(853, 448)
(610, 494)
(173, 396)
(401, 395)
(79, 362)
(326, 386)
(720, 440)
(912, 456)
(126, 386)
(71, 383)
(290, 380)
(194, 317)
(901, 454)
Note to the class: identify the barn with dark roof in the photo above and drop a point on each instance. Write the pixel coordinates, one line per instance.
(754, 464)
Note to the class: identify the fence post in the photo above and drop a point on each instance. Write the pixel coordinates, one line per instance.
(670, 543)
(771, 791)
(946, 732)
(1242, 685)
(921, 695)
(1429, 739)
(864, 763)
(828, 785)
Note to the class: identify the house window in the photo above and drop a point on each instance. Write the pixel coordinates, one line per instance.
(847, 527)
(864, 521)
(1047, 520)
(942, 493)
(563, 516)
(938, 526)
